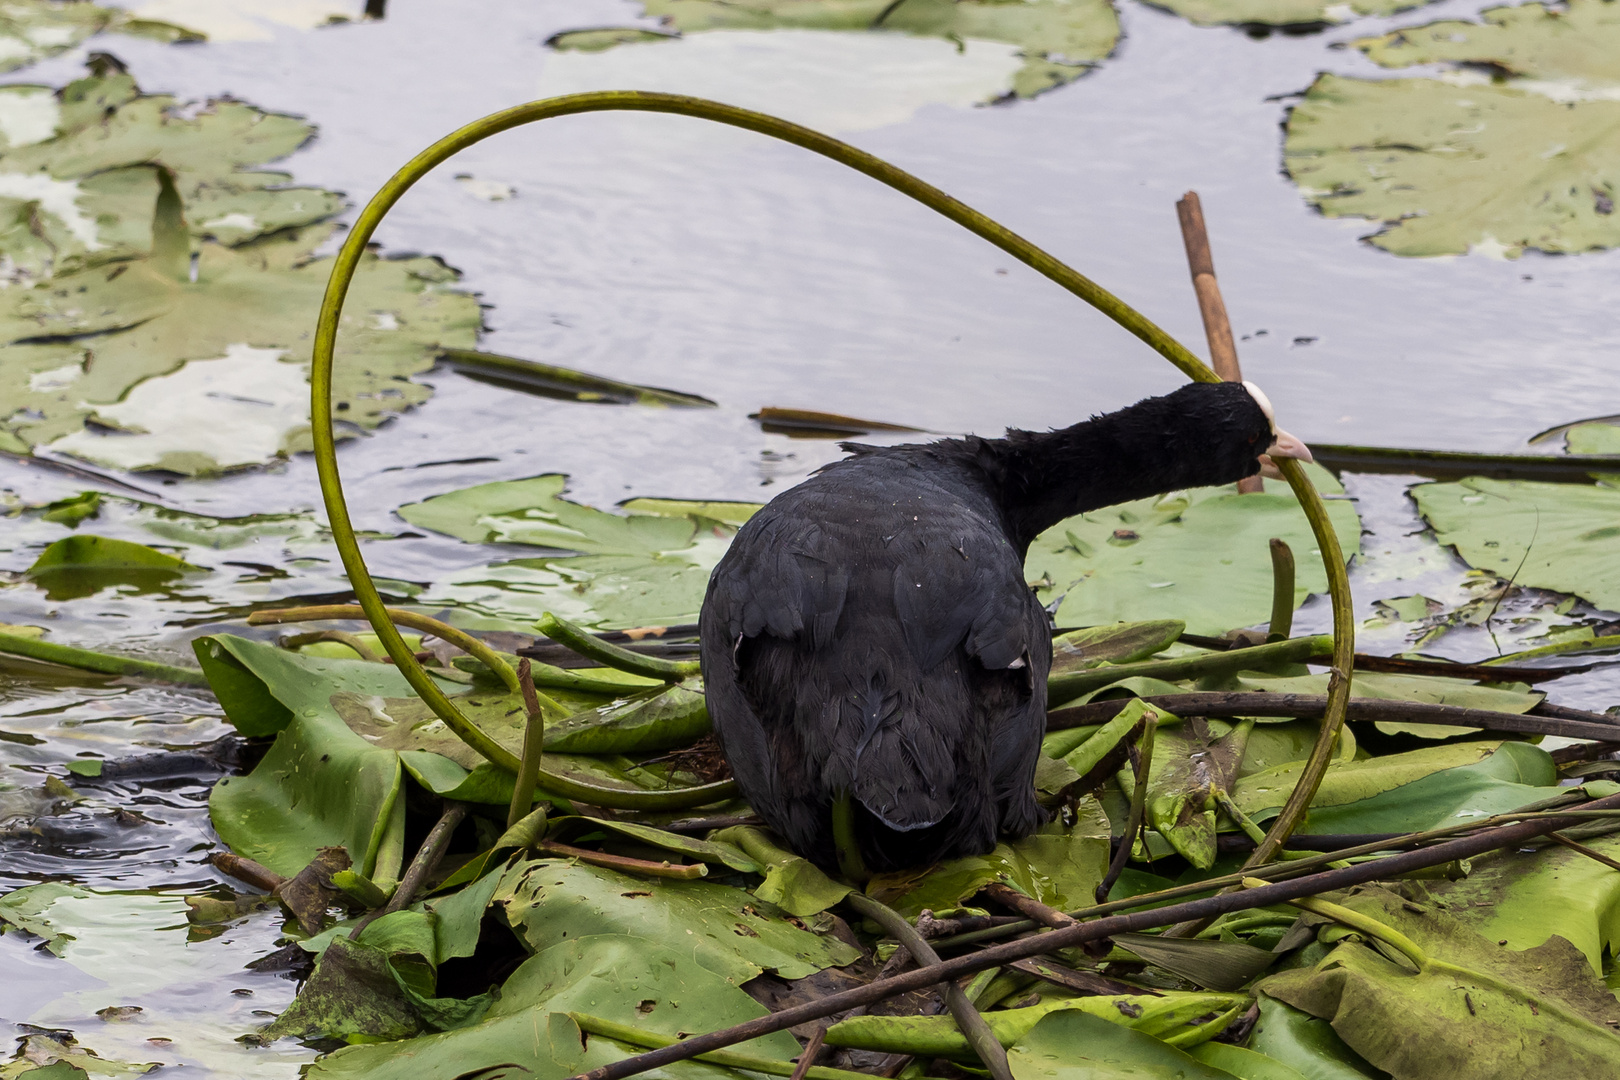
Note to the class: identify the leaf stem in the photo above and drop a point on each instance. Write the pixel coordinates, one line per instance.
(1282, 590)
(594, 648)
(1061, 689)
(1133, 822)
(102, 663)
(534, 734)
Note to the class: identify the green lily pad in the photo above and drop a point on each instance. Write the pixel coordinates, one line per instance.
(1059, 40)
(1264, 792)
(1557, 1019)
(1308, 1045)
(725, 930)
(1547, 536)
(1301, 13)
(202, 329)
(1577, 41)
(1593, 438)
(1449, 168)
(33, 30)
(1199, 557)
(652, 984)
(83, 565)
(792, 883)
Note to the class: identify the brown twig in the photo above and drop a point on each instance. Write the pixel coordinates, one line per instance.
(1133, 823)
(1081, 982)
(1027, 906)
(246, 870)
(812, 1050)
(1023, 949)
(968, 1019)
(645, 867)
(1223, 355)
(1596, 726)
(1595, 856)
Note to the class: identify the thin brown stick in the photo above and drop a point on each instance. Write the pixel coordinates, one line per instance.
(1027, 906)
(645, 867)
(1133, 822)
(1079, 934)
(812, 1050)
(1595, 856)
(1596, 726)
(1223, 355)
(422, 866)
(968, 1019)
(1081, 982)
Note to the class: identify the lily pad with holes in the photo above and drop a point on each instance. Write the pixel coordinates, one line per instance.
(1578, 42)
(1058, 40)
(1200, 557)
(1564, 537)
(1448, 168)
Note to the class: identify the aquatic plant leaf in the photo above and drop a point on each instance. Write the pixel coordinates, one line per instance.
(636, 569)
(792, 883)
(1059, 40)
(1308, 1045)
(1526, 897)
(1213, 965)
(725, 930)
(1301, 13)
(33, 30)
(1118, 643)
(1557, 1019)
(636, 980)
(1593, 438)
(1059, 865)
(1578, 41)
(1387, 686)
(84, 564)
(1074, 1045)
(1163, 1016)
(1351, 781)
(566, 384)
(1247, 1064)
(1564, 535)
(719, 849)
(1199, 557)
(1451, 168)
(648, 722)
(352, 992)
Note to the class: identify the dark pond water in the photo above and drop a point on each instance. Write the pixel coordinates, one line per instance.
(711, 261)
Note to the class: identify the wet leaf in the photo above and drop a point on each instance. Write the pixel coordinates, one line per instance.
(1247, 1064)
(1059, 865)
(566, 384)
(1308, 1045)
(1578, 41)
(1352, 781)
(635, 980)
(1118, 643)
(1199, 557)
(1593, 439)
(1213, 965)
(311, 891)
(1557, 1020)
(792, 883)
(1564, 534)
(724, 929)
(1060, 40)
(83, 565)
(720, 849)
(648, 722)
(1169, 1016)
(32, 30)
(1451, 168)
(1073, 1045)
(352, 992)
(1301, 13)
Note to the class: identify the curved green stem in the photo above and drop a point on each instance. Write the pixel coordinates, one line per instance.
(1061, 689)
(591, 647)
(1344, 650)
(365, 226)
(1282, 590)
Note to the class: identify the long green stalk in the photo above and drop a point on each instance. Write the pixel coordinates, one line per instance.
(365, 226)
(1061, 689)
(102, 663)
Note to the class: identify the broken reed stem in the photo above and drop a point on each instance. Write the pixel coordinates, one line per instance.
(1133, 823)
(101, 663)
(534, 737)
(968, 1019)
(342, 637)
(1027, 906)
(1223, 355)
(1362, 710)
(1282, 590)
(591, 647)
(811, 1051)
(247, 871)
(1596, 856)
(634, 1036)
(427, 860)
(644, 867)
(1001, 955)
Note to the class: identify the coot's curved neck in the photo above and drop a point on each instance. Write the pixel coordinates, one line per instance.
(1152, 447)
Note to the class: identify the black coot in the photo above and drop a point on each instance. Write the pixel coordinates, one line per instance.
(871, 648)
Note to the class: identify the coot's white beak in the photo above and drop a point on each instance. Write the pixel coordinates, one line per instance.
(1283, 445)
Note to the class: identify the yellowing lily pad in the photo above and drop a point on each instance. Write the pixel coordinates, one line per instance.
(1578, 41)
(1450, 168)
(32, 30)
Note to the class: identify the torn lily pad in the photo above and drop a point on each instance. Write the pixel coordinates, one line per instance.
(1451, 168)
(1058, 40)
(1562, 537)
(33, 30)
(1577, 43)
(1298, 13)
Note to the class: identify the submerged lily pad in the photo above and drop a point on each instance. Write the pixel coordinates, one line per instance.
(1577, 41)
(1200, 557)
(1059, 40)
(1563, 537)
(1452, 168)
(200, 332)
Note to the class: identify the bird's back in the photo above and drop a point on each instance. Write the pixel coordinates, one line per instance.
(870, 632)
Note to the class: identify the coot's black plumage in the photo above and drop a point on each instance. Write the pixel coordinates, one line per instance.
(870, 633)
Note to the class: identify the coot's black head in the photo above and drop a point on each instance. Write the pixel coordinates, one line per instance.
(1226, 431)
